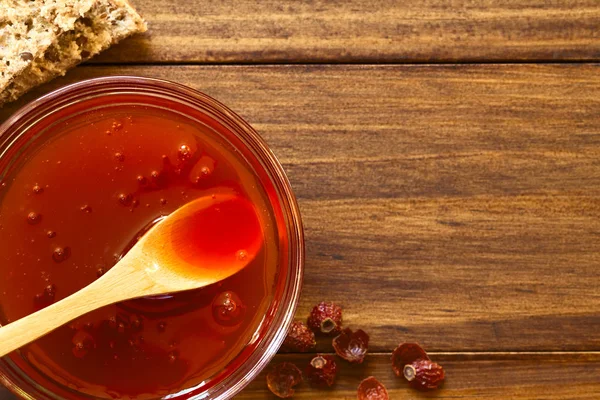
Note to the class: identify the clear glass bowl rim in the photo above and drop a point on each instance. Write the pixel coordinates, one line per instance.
(285, 307)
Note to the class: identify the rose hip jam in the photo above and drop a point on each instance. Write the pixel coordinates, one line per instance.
(76, 193)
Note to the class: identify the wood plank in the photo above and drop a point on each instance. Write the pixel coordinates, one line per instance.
(461, 202)
(502, 376)
(233, 31)
(566, 377)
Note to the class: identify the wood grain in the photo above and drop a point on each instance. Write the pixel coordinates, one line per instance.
(453, 205)
(506, 377)
(246, 31)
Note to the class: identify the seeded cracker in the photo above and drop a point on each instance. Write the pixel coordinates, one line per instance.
(42, 39)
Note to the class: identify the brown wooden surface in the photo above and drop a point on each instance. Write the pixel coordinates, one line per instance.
(251, 31)
(456, 205)
(452, 205)
(505, 377)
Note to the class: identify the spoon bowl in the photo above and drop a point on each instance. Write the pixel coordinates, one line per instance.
(203, 242)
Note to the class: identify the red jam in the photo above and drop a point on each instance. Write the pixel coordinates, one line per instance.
(76, 199)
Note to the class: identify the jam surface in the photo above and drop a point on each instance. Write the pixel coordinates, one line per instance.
(72, 203)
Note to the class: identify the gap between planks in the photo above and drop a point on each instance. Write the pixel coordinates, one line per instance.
(340, 63)
(487, 355)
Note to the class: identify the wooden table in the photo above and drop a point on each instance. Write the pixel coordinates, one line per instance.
(446, 158)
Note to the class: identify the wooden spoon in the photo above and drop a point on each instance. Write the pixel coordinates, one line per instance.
(201, 243)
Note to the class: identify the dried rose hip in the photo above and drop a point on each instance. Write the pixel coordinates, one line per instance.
(372, 389)
(326, 318)
(352, 346)
(282, 378)
(405, 354)
(424, 374)
(322, 370)
(412, 362)
(299, 338)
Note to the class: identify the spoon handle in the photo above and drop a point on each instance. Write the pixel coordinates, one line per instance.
(27, 329)
(116, 285)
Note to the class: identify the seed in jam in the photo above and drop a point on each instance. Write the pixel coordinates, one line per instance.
(45, 298)
(33, 218)
(86, 208)
(60, 254)
(38, 299)
(119, 157)
(205, 171)
(125, 199)
(163, 201)
(83, 342)
(242, 255)
(100, 271)
(79, 350)
(184, 153)
(135, 323)
(50, 291)
(142, 180)
(51, 234)
(228, 309)
(37, 189)
(112, 322)
(161, 326)
(173, 356)
(159, 179)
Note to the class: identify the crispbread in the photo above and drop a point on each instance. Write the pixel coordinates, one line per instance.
(42, 39)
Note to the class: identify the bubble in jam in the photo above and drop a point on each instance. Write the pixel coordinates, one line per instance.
(60, 254)
(34, 218)
(37, 189)
(228, 309)
(86, 208)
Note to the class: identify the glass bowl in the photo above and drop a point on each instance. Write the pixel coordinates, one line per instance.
(26, 123)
